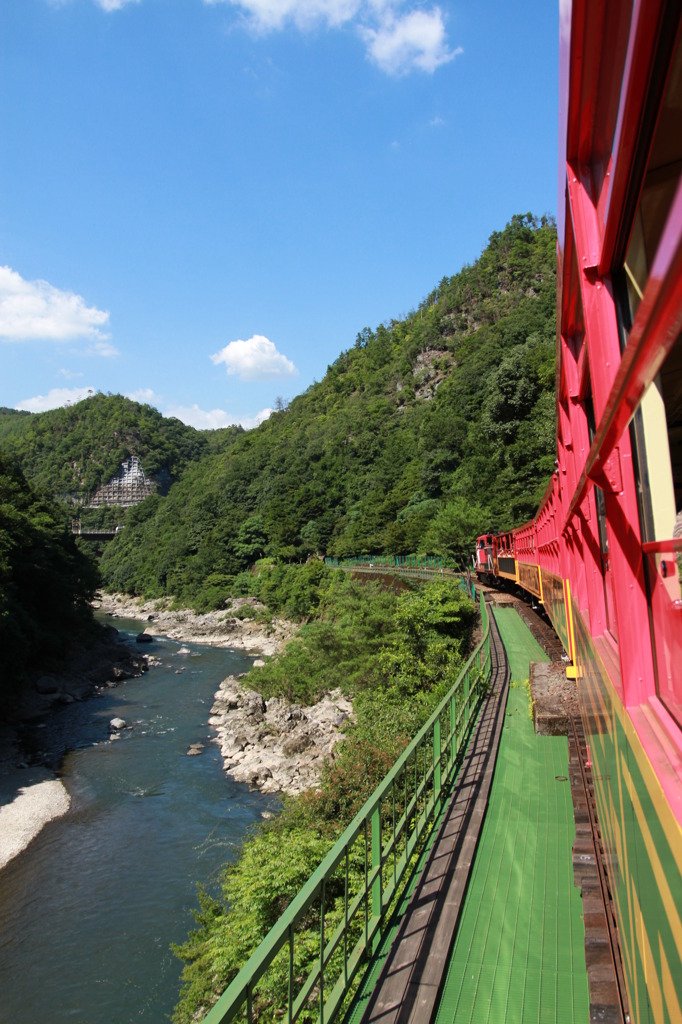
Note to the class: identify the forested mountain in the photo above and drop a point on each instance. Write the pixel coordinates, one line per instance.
(46, 582)
(76, 449)
(12, 421)
(427, 430)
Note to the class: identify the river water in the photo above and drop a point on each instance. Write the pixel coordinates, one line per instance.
(88, 912)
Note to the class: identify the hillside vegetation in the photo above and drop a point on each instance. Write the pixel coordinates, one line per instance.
(428, 430)
(46, 582)
(72, 451)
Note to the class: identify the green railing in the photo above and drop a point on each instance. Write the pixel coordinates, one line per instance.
(343, 907)
(433, 562)
(416, 567)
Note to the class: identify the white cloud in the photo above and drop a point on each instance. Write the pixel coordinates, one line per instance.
(54, 399)
(397, 43)
(114, 5)
(37, 310)
(213, 419)
(100, 348)
(249, 422)
(413, 40)
(70, 374)
(146, 396)
(254, 359)
(266, 15)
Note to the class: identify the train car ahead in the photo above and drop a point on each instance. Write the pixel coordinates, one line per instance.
(484, 556)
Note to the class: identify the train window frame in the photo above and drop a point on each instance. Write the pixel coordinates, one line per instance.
(662, 546)
(656, 172)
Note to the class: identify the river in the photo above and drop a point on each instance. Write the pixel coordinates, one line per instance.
(88, 912)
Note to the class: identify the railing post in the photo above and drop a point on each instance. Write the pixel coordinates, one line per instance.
(321, 985)
(290, 1015)
(376, 863)
(454, 742)
(436, 766)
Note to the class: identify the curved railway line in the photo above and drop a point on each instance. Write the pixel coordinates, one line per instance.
(413, 967)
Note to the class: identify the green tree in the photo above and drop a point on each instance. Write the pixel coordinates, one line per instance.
(454, 529)
(46, 583)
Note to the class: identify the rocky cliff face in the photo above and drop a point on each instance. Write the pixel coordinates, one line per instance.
(104, 663)
(274, 745)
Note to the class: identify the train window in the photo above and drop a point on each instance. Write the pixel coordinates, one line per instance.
(657, 430)
(671, 386)
(658, 190)
(658, 440)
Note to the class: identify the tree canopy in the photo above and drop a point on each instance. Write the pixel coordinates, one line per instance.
(46, 582)
(75, 449)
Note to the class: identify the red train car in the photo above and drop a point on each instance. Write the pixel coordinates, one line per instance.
(604, 550)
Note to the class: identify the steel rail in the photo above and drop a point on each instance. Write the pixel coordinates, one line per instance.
(604, 886)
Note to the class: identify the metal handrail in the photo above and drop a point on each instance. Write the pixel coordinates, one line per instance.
(433, 562)
(383, 838)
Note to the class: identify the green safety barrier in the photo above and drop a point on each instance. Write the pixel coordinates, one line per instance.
(432, 562)
(383, 839)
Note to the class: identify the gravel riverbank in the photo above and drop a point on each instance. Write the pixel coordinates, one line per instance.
(30, 793)
(219, 629)
(272, 745)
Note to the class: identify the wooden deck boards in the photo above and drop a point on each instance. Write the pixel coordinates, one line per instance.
(410, 981)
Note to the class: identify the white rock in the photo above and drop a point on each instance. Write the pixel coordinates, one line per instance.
(275, 745)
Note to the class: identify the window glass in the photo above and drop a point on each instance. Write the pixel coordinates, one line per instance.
(658, 440)
(660, 183)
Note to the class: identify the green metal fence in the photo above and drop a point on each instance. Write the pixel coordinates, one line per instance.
(416, 567)
(341, 911)
(390, 561)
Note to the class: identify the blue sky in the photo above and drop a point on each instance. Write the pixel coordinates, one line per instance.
(203, 201)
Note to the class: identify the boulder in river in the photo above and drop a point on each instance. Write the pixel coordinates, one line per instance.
(117, 724)
(144, 638)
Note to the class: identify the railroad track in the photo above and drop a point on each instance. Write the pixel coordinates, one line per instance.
(608, 996)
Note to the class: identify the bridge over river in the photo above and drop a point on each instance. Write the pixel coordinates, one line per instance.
(98, 533)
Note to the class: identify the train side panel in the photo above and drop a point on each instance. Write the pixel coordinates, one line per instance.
(609, 527)
(641, 834)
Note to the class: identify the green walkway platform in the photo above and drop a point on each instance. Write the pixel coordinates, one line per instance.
(519, 954)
